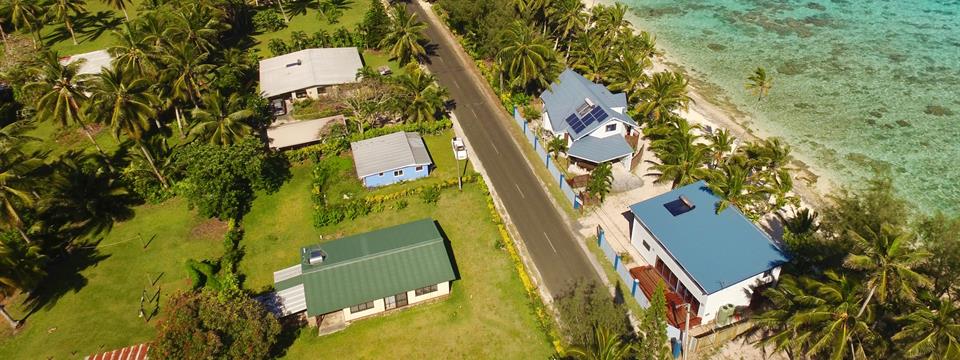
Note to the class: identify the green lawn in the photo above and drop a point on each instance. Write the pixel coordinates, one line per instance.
(93, 30)
(304, 18)
(97, 302)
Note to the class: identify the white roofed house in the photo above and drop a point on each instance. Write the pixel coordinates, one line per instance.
(308, 73)
(93, 62)
(591, 118)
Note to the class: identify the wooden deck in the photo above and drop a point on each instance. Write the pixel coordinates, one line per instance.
(676, 314)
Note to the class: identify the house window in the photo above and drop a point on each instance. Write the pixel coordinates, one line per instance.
(395, 301)
(645, 245)
(420, 168)
(381, 174)
(398, 173)
(301, 94)
(361, 307)
(426, 290)
(611, 127)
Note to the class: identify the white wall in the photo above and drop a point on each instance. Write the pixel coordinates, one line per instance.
(601, 131)
(378, 307)
(442, 289)
(739, 295)
(545, 122)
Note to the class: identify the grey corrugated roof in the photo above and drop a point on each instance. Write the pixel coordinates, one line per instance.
(599, 150)
(389, 152)
(716, 250)
(371, 266)
(569, 91)
(301, 132)
(317, 67)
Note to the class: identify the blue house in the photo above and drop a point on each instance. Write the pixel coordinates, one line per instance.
(591, 118)
(391, 158)
(713, 262)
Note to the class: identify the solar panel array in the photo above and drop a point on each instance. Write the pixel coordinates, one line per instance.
(595, 115)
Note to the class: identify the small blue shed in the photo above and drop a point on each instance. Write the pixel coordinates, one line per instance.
(391, 158)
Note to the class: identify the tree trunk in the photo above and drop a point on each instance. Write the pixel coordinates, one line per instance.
(176, 111)
(3, 34)
(125, 15)
(282, 11)
(10, 321)
(23, 234)
(69, 25)
(86, 132)
(865, 302)
(146, 154)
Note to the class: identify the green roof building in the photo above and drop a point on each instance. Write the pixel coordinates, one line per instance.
(365, 274)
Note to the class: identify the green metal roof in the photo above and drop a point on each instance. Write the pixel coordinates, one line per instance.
(373, 265)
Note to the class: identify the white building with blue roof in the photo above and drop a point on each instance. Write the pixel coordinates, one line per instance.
(712, 261)
(590, 117)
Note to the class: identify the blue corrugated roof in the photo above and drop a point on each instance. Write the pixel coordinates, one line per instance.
(599, 150)
(563, 97)
(716, 250)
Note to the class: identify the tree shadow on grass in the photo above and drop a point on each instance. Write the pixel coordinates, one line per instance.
(92, 26)
(297, 8)
(64, 275)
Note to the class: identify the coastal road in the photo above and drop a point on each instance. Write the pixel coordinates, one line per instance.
(552, 246)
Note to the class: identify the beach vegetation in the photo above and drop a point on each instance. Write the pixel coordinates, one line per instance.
(404, 38)
(759, 83)
(601, 181)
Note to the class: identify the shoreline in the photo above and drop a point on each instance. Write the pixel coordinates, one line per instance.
(704, 111)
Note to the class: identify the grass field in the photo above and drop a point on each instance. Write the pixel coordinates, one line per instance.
(94, 303)
(303, 17)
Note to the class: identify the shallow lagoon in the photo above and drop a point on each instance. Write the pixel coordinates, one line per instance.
(857, 84)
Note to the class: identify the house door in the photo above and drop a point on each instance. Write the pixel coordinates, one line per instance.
(395, 301)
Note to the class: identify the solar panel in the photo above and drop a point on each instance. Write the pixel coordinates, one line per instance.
(597, 112)
(572, 119)
(578, 127)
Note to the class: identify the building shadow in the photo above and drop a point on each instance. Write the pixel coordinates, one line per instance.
(449, 248)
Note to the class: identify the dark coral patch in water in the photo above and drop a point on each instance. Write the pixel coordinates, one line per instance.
(716, 47)
(815, 6)
(937, 110)
(903, 123)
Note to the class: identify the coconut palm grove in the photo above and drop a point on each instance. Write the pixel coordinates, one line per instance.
(154, 193)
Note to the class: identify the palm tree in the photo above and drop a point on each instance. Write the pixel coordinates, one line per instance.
(84, 200)
(186, 71)
(771, 153)
(601, 181)
(568, 19)
(759, 83)
(197, 25)
(931, 334)
(629, 75)
(15, 188)
(666, 93)
(818, 319)
(721, 144)
(62, 92)
(525, 57)
(134, 51)
(404, 37)
(682, 159)
(730, 185)
(421, 97)
(14, 135)
(803, 221)
(21, 269)
(128, 103)
(119, 5)
(60, 10)
(24, 14)
(592, 63)
(222, 121)
(557, 145)
(888, 261)
(608, 346)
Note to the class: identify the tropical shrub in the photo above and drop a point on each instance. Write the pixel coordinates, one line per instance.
(268, 21)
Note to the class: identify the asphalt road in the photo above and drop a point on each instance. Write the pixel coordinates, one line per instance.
(550, 243)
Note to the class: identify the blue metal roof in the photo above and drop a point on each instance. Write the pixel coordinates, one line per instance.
(599, 150)
(563, 97)
(716, 250)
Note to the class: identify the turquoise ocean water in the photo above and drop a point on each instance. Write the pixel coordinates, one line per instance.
(857, 84)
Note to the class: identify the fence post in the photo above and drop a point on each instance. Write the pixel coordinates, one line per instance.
(636, 283)
(524, 127)
(561, 181)
(599, 233)
(535, 141)
(616, 261)
(548, 161)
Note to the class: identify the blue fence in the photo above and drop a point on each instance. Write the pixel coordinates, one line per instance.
(621, 269)
(541, 150)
